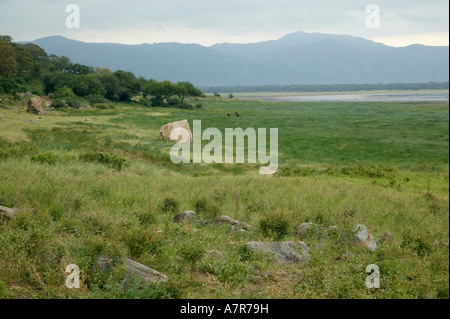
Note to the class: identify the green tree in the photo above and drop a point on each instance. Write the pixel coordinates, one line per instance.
(8, 62)
(186, 89)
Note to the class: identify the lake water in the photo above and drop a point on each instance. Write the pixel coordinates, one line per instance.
(440, 96)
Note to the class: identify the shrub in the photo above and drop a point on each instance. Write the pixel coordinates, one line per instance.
(173, 101)
(64, 92)
(198, 106)
(95, 98)
(75, 102)
(104, 106)
(146, 102)
(58, 104)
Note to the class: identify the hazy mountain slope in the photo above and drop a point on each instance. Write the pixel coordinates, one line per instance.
(297, 58)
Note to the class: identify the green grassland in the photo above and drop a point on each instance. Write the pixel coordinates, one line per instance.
(384, 165)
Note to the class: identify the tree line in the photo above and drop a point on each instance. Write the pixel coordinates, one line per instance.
(28, 68)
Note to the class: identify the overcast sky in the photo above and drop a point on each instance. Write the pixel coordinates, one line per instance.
(402, 22)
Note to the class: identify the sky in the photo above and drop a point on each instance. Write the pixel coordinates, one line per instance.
(206, 22)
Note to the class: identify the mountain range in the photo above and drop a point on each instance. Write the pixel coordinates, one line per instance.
(297, 58)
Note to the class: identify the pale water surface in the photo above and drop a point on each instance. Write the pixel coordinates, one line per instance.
(440, 96)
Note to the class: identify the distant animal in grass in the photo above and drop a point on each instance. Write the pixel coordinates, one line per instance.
(237, 114)
(228, 114)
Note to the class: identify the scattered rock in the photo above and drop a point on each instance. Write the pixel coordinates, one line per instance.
(224, 219)
(284, 251)
(87, 119)
(187, 216)
(346, 256)
(35, 106)
(177, 132)
(214, 254)
(387, 237)
(302, 229)
(1, 115)
(7, 212)
(135, 269)
(318, 247)
(29, 121)
(237, 229)
(104, 263)
(28, 94)
(364, 237)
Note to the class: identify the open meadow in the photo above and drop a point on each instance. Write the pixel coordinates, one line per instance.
(100, 182)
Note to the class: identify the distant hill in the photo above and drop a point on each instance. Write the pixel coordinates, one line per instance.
(297, 58)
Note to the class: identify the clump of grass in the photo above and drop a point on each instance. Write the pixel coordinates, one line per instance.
(275, 226)
(147, 218)
(169, 205)
(112, 160)
(191, 254)
(244, 253)
(360, 170)
(296, 171)
(16, 150)
(45, 158)
(104, 106)
(206, 208)
(141, 241)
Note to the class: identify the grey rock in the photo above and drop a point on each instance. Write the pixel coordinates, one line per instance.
(7, 212)
(28, 94)
(387, 237)
(87, 119)
(224, 219)
(104, 263)
(187, 216)
(237, 229)
(284, 251)
(302, 229)
(363, 237)
(29, 121)
(1, 115)
(137, 270)
(214, 254)
(133, 269)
